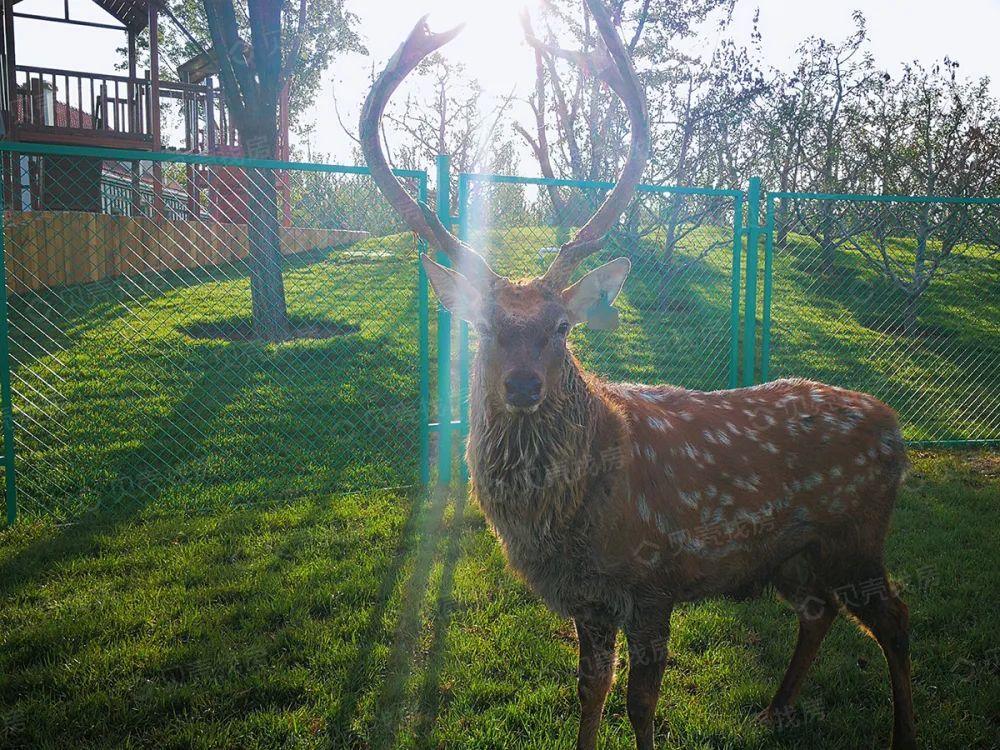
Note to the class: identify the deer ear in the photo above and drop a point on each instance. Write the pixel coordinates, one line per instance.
(455, 291)
(590, 298)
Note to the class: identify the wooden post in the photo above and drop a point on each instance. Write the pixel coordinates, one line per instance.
(210, 115)
(210, 136)
(36, 101)
(135, 198)
(14, 172)
(189, 103)
(8, 32)
(105, 125)
(154, 105)
(133, 104)
(135, 123)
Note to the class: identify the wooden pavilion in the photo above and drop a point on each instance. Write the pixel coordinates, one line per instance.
(77, 107)
(82, 108)
(77, 209)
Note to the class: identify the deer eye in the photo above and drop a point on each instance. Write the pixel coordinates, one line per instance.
(562, 329)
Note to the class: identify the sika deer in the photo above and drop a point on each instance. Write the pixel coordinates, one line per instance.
(614, 501)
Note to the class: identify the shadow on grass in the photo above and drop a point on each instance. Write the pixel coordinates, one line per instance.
(312, 627)
(345, 406)
(430, 690)
(46, 322)
(675, 326)
(33, 562)
(215, 447)
(425, 532)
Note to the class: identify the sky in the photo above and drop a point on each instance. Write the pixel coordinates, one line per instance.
(492, 49)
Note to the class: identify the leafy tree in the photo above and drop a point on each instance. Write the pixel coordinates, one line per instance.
(930, 132)
(829, 87)
(253, 75)
(579, 131)
(447, 116)
(327, 29)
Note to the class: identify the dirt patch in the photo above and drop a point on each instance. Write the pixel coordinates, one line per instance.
(242, 330)
(986, 464)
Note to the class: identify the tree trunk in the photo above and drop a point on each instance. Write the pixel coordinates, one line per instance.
(911, 305)
(828, 249)
(267, 287)
(910, 313)
(677, 200)
(673, 218)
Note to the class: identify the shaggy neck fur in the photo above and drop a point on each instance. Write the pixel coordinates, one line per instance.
(530, 470)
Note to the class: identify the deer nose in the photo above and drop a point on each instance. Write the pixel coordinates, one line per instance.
(524, 389)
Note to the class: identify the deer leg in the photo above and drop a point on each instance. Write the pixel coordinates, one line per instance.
(647, 649)
(597, 669)
(816, 608)
(886, 617)
(813, 627)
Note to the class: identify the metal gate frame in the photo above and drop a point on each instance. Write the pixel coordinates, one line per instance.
(749, 352)
(452, 430)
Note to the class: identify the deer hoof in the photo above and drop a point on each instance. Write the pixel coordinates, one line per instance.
(766, 717)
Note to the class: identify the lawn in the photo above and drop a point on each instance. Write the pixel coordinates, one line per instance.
(189, 571)
(121, 405)
(388, 619)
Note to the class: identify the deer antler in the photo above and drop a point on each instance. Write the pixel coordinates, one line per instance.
(418, 216)
(611, 65)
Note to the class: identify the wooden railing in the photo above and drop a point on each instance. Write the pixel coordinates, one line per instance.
(94, 107)
(207, 125)
(97, 109)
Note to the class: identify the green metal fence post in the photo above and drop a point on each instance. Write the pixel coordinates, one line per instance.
(750, 303)
(5, 392)
(765, 332)
(423, 312)
(734, 310)
(463, 339)
(444, 333)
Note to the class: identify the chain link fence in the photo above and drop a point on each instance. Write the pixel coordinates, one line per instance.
(137, 376)
(141, 379)
(680, 307)
(898, 297)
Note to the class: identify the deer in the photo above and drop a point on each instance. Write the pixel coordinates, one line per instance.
(614, 502)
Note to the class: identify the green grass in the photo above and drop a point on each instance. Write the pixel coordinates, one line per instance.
(114, 401)
(212, 591)
(390, 620)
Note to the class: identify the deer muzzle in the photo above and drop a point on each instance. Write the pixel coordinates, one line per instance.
(523, 390)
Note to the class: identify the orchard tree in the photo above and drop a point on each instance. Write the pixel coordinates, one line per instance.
(446, 113)
(447, 116)
(697, 105)
(931, 133)
(327, 29)
(832, 81)
(703, 140)
(580, 122)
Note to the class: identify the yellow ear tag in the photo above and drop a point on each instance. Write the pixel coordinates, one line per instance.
(601, 316)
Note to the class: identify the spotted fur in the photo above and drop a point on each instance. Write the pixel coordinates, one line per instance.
(613, 501)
